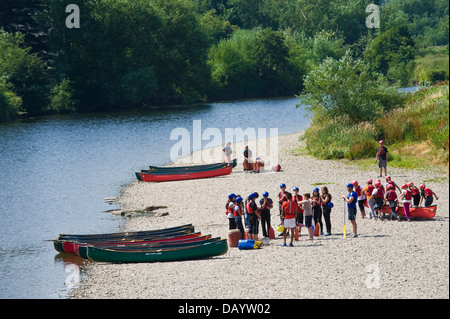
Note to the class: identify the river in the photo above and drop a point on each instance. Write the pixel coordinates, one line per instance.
(55, 172)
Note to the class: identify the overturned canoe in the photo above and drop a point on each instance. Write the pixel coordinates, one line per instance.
(205, 250)
(162, 177)
(178, 169)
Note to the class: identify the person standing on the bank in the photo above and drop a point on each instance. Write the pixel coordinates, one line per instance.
(351, 199)
(238, 213)
(326, 209)
(227, 150)
(266, 205)
(382, 158)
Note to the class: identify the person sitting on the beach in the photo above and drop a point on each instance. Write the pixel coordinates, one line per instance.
(247, 159)
(391, 197)
(351, 200)
(227, 150)
(288, 218)
(266, 205)
(427, 194)
(305, 204)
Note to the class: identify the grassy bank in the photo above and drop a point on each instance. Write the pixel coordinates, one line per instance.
(416, 133)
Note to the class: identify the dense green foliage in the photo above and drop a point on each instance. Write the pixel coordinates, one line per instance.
(141, 52)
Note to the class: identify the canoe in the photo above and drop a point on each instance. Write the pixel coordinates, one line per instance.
(415, 211)
(69, 246)
(144, 177)
(81, 250)
(205, 250)
(155, 169)
(184, 228)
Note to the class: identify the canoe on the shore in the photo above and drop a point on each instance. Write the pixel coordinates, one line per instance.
(187, 227)
(163, 177)
(199, 251)
(70, 246)
(415, 211)
(82, 249)
(192, 168)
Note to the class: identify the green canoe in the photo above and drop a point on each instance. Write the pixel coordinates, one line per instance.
(204, 250)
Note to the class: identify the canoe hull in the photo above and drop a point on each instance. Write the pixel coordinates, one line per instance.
(169, 169)
(415, 212)
(144, 177)
(207, 250)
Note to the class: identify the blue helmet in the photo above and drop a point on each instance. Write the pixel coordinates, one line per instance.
(238, 200)
(265, 194)
(316, 189)
(251, 196)
(282, 185)
(295, 188)
(231, 196)
(350, 185)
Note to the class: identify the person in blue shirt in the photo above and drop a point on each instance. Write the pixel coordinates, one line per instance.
(352, 199)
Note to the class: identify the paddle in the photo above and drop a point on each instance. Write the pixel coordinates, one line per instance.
(345, 230)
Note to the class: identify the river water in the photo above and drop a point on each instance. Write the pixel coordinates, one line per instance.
(55, 172)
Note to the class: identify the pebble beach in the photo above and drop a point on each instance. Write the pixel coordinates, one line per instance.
(388, 259)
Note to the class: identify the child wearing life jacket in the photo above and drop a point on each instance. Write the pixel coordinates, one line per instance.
(305, 204)
(415, 192)
(389, 181)
(378, 194)
(238, 211)
(391, 197)
(351, 199)
(326, 209)
(253, 216)
(407, 197)
(367, 191)
(297, 198)
(361, 198)
(427, 194)
(266, 205)
(316, 203)
(289, 215)
(230, 214)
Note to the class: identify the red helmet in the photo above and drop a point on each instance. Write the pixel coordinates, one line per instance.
(377, 183)
(404, 186)
(355, 183)
(410, 184)
(390, 186)
(381, 142)
(369, 181)
(388, 178)
(422, 186)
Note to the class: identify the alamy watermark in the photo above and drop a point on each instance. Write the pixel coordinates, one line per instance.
(73, 19)
(189, 148)
(373, 19)
(373, 276)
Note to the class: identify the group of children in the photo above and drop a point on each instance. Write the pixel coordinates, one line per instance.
(296, 210)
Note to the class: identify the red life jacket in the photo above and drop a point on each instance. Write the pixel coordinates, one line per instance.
(428, 192)
(249, 209)
(281, 195)
(236, 214)
(380, 192)
(229, 209)
(391, 195)
(415, 191)
(358, 190)
(381, 150)
(370, 189)
(408, 194)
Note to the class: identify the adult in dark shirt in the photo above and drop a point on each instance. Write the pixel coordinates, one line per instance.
(382, 158)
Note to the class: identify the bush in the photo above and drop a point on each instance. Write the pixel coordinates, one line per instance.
(10, 103)
(62, 99)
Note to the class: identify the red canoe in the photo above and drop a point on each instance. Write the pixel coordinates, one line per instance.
(415, 212)
(184, 176)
